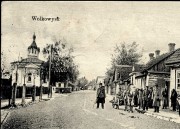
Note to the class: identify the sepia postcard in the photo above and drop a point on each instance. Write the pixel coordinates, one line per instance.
(90, 65)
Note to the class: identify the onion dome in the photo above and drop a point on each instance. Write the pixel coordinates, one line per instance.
(33, 45)
(33, 50)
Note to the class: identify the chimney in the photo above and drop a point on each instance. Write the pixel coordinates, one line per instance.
(171, 47)
(151, 56)
(157, 52)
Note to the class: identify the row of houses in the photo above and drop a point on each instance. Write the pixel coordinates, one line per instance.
(161, 69)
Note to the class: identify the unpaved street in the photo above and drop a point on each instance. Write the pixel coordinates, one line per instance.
(76, 111)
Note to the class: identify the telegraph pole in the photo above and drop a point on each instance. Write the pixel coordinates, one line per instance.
(49, 86)
(14, 87)
(41, 89)
(34, 88)
(24, 89)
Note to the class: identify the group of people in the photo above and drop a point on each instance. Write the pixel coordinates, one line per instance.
(144, 99)
(147, 98)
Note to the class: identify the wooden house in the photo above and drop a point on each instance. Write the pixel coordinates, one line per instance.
(174, 63)
(156, 72)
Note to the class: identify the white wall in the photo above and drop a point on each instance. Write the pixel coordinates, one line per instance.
(147, 81)
(172, 80)
(138, 83)
(20, 80)
(134, 79)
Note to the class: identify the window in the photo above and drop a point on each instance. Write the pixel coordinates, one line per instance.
(29, 77)
(178, 80)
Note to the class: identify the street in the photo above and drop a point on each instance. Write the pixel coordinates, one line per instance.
(77, 111)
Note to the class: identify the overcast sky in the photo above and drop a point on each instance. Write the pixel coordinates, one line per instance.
(92, 28)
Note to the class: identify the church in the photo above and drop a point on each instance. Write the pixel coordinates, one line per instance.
(27, 71)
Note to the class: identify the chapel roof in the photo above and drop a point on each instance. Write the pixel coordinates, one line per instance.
(25, 61)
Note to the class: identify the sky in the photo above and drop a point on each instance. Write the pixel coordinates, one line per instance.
(92, 28)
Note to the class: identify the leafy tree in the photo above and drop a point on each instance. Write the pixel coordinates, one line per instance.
(124, 55)
(3, 65)
(63, 67)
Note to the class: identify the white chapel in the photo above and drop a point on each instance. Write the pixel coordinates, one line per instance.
(27, 71)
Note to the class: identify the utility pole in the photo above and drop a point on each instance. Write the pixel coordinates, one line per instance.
(14, 87)
(34, 88)
(24, 89)
(49, 86)
(41, 90)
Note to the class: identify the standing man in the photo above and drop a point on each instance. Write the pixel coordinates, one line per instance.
(151, 98)
(146, 95)
(130, 100)
(165, 98)
(140, 98)
(126, 100)
(173, 99)
(120, 96)
(101, 95)
(136, 97)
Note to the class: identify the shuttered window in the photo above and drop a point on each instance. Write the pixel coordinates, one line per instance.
(178, 80)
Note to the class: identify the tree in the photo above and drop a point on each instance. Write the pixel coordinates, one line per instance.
(3, 63)
(124, 55)
(63, 68)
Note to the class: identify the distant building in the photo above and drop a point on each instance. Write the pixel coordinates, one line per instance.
(90, 85)
(135, 74)
(119, 79)
(100, 79)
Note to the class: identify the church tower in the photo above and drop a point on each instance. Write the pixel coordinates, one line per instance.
(33, 50)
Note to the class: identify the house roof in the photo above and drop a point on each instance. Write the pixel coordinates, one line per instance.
(139, 75)
(175, 58)
(156, 60)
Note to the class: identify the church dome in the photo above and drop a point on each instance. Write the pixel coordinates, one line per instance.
(33, 44)
(33, 50)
